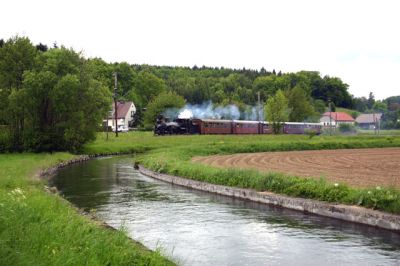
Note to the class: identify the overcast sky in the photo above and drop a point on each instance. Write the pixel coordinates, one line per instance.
(358, 41)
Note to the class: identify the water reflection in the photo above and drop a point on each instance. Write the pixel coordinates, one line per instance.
(200, 228)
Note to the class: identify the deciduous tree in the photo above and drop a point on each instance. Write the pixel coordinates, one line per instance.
(59, 105)
(301, 108)
(277, 111)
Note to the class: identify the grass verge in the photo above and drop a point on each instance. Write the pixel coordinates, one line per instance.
(39, 228)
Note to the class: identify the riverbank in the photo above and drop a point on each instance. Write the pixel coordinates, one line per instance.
(201, 228)
(177, 160)
(337, 211)
(173, 155)
(37, 226)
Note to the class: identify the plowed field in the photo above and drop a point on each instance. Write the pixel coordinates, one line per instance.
(355, 167)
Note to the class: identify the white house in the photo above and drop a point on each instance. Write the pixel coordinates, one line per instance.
(336, 118)
(125, 116)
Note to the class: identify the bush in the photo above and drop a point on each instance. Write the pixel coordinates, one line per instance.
(4, 139)
(310, 133)
(347, 129)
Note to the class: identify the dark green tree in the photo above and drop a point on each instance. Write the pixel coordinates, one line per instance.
(42, 47)
(300, 106)
(334, 89)
(59, 105)
(319, 106)
(148, 86)
(159, 104)
(269, 85)
(380, 106)
(16, 56)
(371, 100)
(127, 78)
(103, 72)
(360, 104)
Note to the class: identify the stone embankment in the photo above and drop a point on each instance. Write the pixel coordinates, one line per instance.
(338, 211)
(49, 172)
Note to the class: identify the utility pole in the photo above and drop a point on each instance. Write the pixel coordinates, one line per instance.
(379, 124)
(115, 103)
(258, 112)
(108, 114)
(330, 117)
(258, 105)
(336, 122)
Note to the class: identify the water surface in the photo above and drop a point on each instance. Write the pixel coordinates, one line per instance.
(199, 228)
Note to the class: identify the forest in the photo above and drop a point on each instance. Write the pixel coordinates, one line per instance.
(52, 98)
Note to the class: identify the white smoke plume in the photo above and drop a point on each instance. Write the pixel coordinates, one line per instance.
(208, 110)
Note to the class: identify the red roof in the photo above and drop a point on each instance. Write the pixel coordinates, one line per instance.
(340, 116)
(122, 108)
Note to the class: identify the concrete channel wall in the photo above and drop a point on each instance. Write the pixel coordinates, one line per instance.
(338, 211)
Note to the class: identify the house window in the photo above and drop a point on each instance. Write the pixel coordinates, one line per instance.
(132, 113)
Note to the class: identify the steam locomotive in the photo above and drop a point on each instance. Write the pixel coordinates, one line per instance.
(212, 126)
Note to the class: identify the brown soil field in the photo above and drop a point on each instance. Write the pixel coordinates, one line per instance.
(355, 167)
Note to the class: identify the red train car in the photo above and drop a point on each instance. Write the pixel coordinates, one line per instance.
(209, 126)
(266, 128)
(240, 127)
(301, 128)
(246, 127)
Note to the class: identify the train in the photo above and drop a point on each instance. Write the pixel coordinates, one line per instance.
(218, 126)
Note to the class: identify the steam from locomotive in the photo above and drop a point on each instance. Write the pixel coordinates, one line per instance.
(207, 119)
(208, 110)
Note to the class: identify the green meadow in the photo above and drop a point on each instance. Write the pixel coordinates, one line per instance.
(40, 228)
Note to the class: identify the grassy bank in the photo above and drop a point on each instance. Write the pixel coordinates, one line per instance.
(172, 154)
(382, 132)
(139, 142)
(39, 228)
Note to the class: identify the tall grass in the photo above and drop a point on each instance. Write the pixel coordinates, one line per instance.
(39, 228)
(382, 132)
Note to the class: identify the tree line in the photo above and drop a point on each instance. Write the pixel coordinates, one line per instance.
(49, 98)
(52, 98)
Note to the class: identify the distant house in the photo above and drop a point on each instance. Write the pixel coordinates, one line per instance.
(334, 119)
(125, 116)
(369, 121)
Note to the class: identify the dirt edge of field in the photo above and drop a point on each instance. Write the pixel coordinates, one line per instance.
(355, 167)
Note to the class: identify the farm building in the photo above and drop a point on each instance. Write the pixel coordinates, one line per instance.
(369, 121)
(336, 118)
(125, 116)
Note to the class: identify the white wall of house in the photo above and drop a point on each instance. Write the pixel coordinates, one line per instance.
(129, 115)
(326, 121)
(122, 121)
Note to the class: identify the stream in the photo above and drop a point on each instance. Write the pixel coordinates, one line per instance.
(200, 228)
